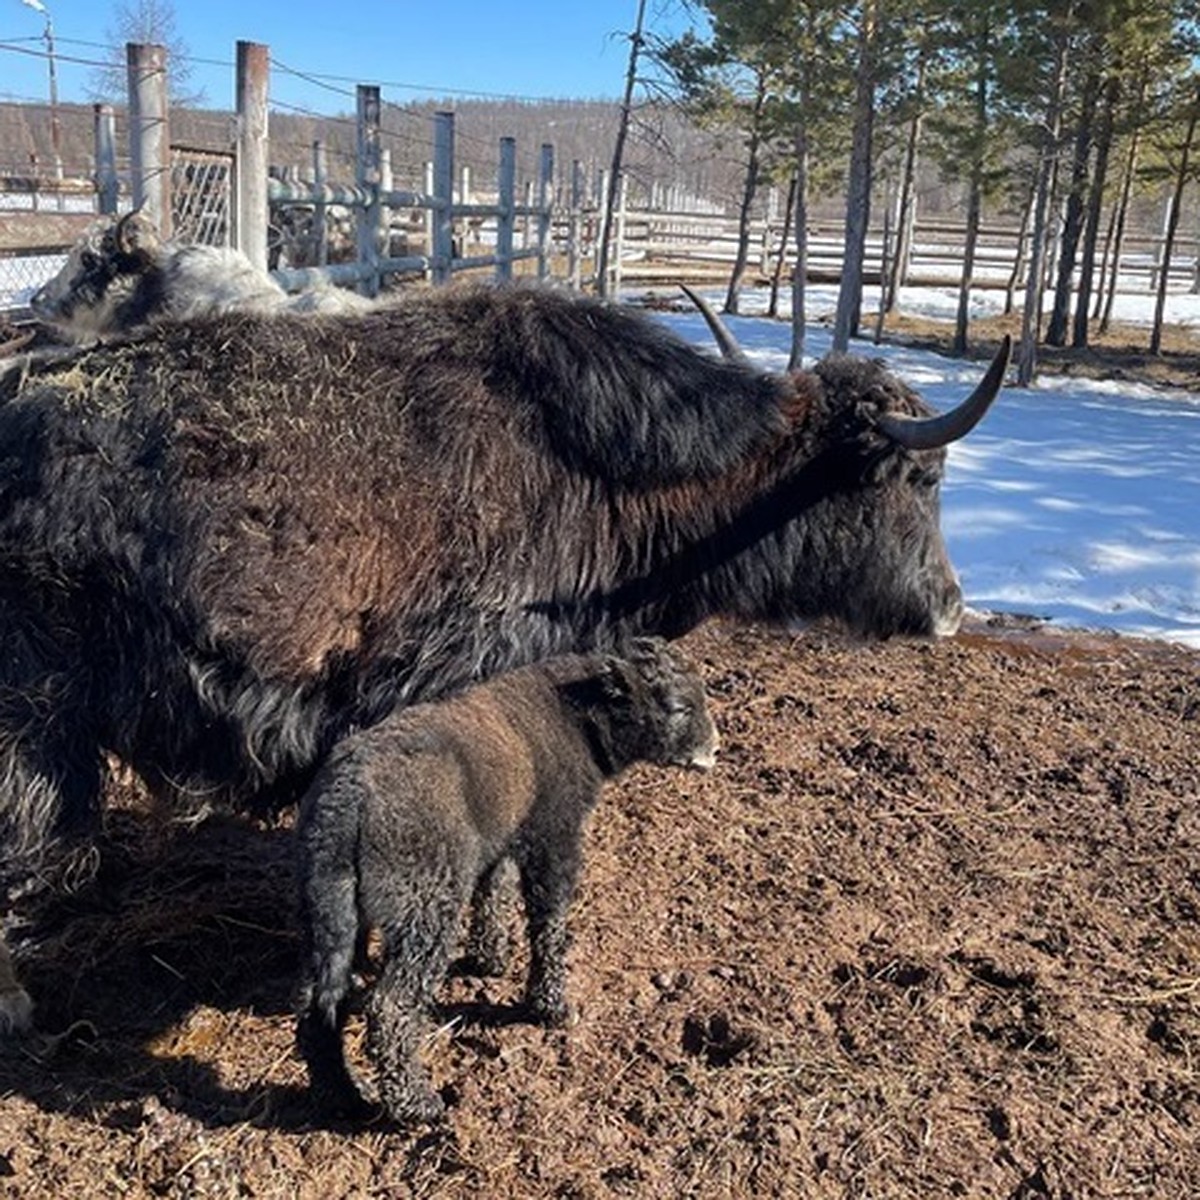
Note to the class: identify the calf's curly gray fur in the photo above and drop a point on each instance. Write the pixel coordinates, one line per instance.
(406, 820)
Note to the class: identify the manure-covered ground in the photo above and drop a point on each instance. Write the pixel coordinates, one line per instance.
(931, 928)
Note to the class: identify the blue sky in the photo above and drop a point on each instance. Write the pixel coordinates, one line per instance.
(538, 48)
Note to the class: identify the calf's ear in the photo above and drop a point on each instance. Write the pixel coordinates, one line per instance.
(617, 678)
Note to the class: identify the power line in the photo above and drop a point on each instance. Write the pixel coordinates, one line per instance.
(45, 54)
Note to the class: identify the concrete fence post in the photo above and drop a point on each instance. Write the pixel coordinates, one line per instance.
(149, 141)
(320, 178)
(443, 192)
(575, 228)
(383, 235)
(545, 207)
(619, 241)
(104, 129)
(367, 171)
(253, 207)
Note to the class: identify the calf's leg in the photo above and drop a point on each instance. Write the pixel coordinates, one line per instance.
(418, 948)
(488, 947)
(549, 872)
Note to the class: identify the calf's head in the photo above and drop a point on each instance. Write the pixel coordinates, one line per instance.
(654, 706)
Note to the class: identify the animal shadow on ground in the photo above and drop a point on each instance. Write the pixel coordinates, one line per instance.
(177, 920)
(140, 975)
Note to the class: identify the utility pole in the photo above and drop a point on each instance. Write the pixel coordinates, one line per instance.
(55, 131)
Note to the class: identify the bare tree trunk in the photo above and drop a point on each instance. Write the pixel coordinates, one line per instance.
(898, 275)
(1019, 254)
(1031, 316)
(1068, 246)
(858, 191)
(800, 277)
(749, 190)
(1114, 267)
(974, 196)
(971, 240)
(614, 175)
(1091, 235)
(1181, 178)
(789, 211)
(1102, 275)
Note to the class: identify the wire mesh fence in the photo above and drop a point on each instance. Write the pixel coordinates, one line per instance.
(22, 273)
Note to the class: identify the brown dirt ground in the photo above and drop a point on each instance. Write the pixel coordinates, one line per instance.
(931, 928)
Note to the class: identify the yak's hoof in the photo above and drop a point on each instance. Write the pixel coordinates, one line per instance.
(16, 1012)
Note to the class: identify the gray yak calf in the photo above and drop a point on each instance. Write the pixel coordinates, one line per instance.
(120, 277)
(406, 820)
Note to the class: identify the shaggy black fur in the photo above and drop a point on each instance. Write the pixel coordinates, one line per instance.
(408, 819)
(223, 544)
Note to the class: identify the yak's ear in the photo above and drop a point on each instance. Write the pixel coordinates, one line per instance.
(135, 234)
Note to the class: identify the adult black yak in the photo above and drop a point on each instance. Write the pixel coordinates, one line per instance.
(224, 543)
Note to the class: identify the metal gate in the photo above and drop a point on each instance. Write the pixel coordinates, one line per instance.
(202, 196)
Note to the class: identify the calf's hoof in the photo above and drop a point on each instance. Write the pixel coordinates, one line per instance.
(16, 1012)
(551, 1011)
(342, 1103)
(413, 1106)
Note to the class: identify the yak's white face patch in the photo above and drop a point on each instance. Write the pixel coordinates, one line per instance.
(86, 293)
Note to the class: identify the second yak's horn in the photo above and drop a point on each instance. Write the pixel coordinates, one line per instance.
(725, 340)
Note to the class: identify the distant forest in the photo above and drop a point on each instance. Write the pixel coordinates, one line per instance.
(667, 152)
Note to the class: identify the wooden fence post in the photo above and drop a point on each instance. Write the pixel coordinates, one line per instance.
(367, 171)
(545, 203)
(619, 242)
(320, 178)
(575, 228)
(443, 192)
(507, 188)
(104, 129)
(149, 143)
(253, 207)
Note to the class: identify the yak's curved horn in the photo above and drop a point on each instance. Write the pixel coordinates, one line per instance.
(725, 340)
(928, 433)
